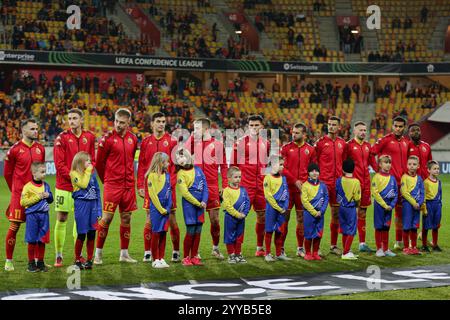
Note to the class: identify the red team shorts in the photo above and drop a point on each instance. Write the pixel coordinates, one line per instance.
(213, 197)
(125, 199)
(295, 200)
(16, 212)
(257, 199)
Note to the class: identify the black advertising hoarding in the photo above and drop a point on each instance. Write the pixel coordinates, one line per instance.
(56, 58)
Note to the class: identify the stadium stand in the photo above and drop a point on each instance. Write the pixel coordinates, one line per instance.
(41, 25)
(406, 30)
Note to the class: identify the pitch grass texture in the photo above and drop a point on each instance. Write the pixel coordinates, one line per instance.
(112, 272)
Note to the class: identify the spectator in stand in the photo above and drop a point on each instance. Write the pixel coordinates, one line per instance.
(275, 86)
(291, 36)
(424, 14)
(355, 89)
(300, 40)
(346, 93)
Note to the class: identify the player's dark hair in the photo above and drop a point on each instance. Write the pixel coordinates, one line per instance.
(359, 123)
(414, 158)
(334, 118)
(36, 165)
(27, 121)
(255, 117)
(205, 122)
(157, 115)
(301, 125)
(77, 111)
(415, 124)
(432, 163)
(348, 166)
(123, 112)
(313, 166)
(400, 119)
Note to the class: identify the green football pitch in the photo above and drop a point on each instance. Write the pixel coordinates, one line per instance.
(112, 272)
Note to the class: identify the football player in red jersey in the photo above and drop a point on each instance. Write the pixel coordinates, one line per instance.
(17, 173)
(395, 145)
(158, 141)
(330, 150)
(209, 155)
(250, 155)
(360, 152)
(297, 155)
(115, 168)
(419, 148)
(67, 145)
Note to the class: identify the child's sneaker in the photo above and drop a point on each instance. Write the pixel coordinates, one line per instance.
(147, 257)
(88, 265)
(32, 267)
(389, 253)
(164, 263)
(41, 266)
(317, 256)
(407, 251)
(349, 256)
(58, 262)
(415, 251)
(380, 253)
(425, 249)
(308, 257)
(216, 253)
(196, 261)
(363, 247)
(79, 264)
(232, 259)
(260, 253)
(283, 257)
(157, 264)
(270, 258)
(240, 259)
(301, 252)
(176, 256)
(98, 259)
(398, 245)
(186, 262)
(335, 250)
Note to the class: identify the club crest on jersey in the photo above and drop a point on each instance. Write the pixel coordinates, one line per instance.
(84, 140)
(115, 140)
(165, 143)
(424, 149)
(130, 141)
(355, 148)
(38, 151)
(70, 140)
(340, 145)
(306, 151)
(367, 149)
(21, 151)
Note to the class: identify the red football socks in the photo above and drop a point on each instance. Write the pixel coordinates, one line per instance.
(90, 248)
(230, 248)
(425, 237)
(362, 230)
(11, 240)
(278, 242)
(162, 245)
(125, 232)
(334, 227)
(102, 234)
(238, 244)
(379, 239)
(196, 244)
(187, 244)
(260, 234)
(316, 245)
(385, 239)
(78, 249)
(406, 239)
(268, 238)
(308, 243)
(413, 237)
(175, 235)
(435, 237)
(215, 233)
(41, 255)
(300, 236)
(147, 237)
(348, 243)
(155, 245)
(31, 250)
